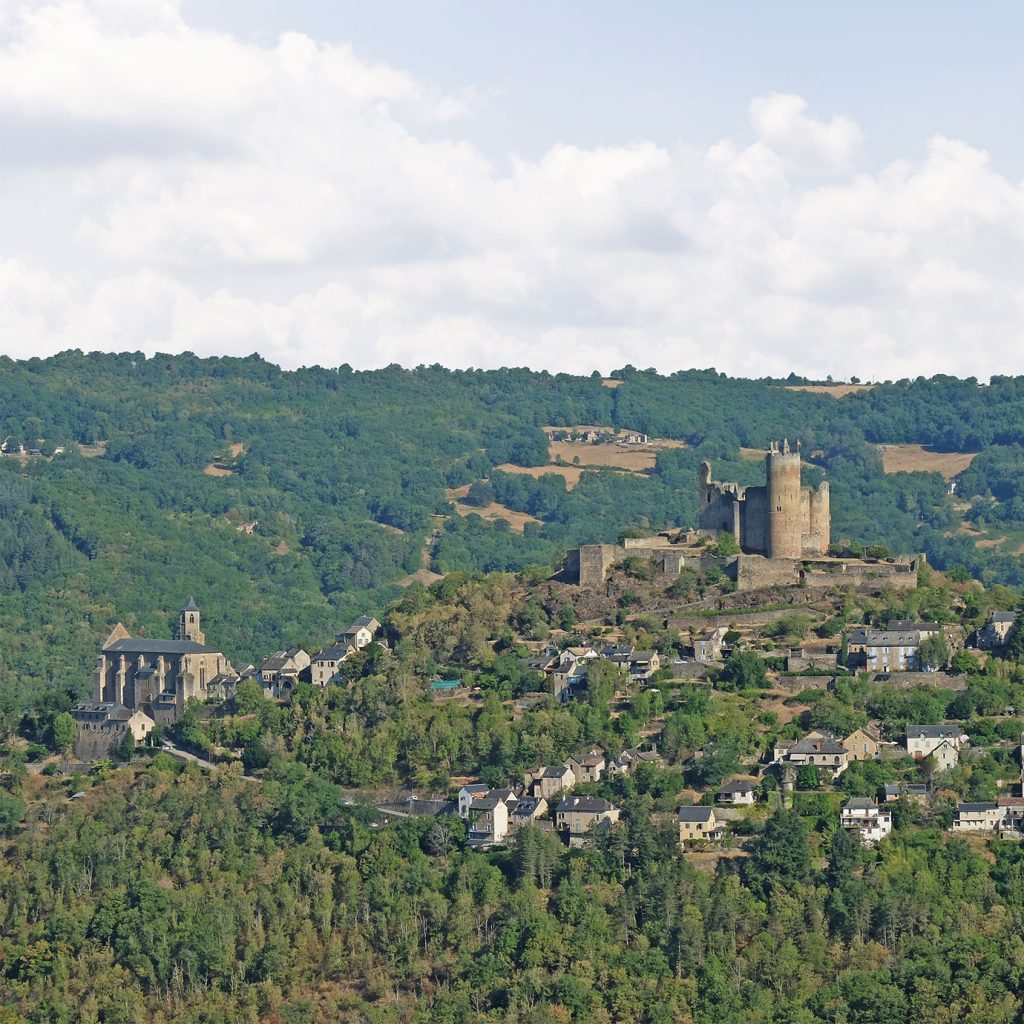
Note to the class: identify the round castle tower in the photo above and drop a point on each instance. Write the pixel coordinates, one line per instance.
(782, 470)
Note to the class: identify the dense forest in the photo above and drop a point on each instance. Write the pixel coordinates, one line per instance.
(160, 892)
(346, 476)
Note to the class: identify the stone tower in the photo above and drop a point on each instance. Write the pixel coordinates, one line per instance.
(782, 470)
(188, 622)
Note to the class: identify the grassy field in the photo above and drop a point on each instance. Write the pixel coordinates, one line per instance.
(832, 390)
(915, 458)
(517, 520)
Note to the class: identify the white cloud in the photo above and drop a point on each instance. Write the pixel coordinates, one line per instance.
(171, 189)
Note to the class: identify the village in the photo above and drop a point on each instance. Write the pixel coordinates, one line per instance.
(790, 648)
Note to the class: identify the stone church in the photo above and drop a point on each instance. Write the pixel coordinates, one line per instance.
(159, 676)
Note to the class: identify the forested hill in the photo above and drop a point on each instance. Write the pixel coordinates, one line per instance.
(347, 474)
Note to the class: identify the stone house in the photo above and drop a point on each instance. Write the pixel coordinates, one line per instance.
(588, 767)
(994, 633)
(738, 792)
(324, 667)
(914, 791)
(576, 816)
(942, 742)
(863, 744)
(553, 780)
(469, 793)
(488, 821)
(100, 728)
(978, 817)
(281, 671)
(643, 665)
(707, 646)
(360, 634)
(884, 650)
(631, 758)
(528, 811)
(820, 752)
(698, 824)
(864, 817)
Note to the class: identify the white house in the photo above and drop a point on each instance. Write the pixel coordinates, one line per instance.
(864, 817)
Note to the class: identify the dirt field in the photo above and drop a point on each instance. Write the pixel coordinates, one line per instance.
(634, 458)
(218, 469)
(832, 390)
(572, 474)
(914, 458)
(611, 382)
(94, 451)
(517, 520)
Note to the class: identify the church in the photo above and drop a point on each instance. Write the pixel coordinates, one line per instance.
(160, 676)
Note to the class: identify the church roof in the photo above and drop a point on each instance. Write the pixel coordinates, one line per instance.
(190, 605)
(144, 645)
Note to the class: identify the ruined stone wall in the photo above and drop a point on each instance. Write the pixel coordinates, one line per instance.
(594, 560)
(754, 572)
(94, 740)
(753, 536)
(819, 520)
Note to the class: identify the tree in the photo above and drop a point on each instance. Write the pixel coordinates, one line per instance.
(63, 732)
(933, 652)
(781, 854)
(126, 748)
(965, 661)
(808, 777)
(744, 670)
(725, 545)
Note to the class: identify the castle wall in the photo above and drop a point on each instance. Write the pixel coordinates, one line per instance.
(594, 560)
(754, 572)
(753, 536)
(819, 520)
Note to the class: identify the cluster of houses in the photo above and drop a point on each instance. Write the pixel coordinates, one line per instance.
(494, 814)
(567, 669)
(625, 437)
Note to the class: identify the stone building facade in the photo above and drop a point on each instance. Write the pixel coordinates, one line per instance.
(101, 728)
(159, 676)
(782, 519)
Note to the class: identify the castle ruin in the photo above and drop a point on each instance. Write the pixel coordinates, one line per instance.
(780, 519)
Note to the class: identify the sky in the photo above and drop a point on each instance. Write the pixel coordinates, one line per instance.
(828, 189)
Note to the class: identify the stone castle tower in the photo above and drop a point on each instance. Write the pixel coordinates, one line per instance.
(782, 519)
(188, 623)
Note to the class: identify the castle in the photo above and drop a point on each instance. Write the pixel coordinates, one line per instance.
(783, 530)
(782, 519)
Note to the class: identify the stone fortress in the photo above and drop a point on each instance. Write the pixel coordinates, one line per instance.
(782, 519)
(783, 530)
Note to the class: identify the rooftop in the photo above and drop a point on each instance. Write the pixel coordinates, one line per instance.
(143, 645)
(587, 804)
(703, 814)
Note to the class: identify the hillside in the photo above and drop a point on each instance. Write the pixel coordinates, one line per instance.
(289, 501)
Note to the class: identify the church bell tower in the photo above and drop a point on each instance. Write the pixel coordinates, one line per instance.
(188, 622)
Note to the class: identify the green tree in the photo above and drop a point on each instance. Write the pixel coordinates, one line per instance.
(744, 670)
(934, 652)
(63, 732)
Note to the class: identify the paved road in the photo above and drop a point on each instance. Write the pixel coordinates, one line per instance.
(183, 755)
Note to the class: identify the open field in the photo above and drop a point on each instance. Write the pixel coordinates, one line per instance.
(218, 469)
(915, 458)
(611, 382)
(634, 458)
(571, 474)
(832, 390)
(93, 451)
(517, 520)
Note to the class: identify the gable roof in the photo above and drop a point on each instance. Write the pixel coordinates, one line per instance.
(738, 786)
(363, 622)
(703, 814)
(587, 804)
(825, 745)
(556, 771)
(143, 645)
(860, 803)
(932, 732)
(335, 653)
